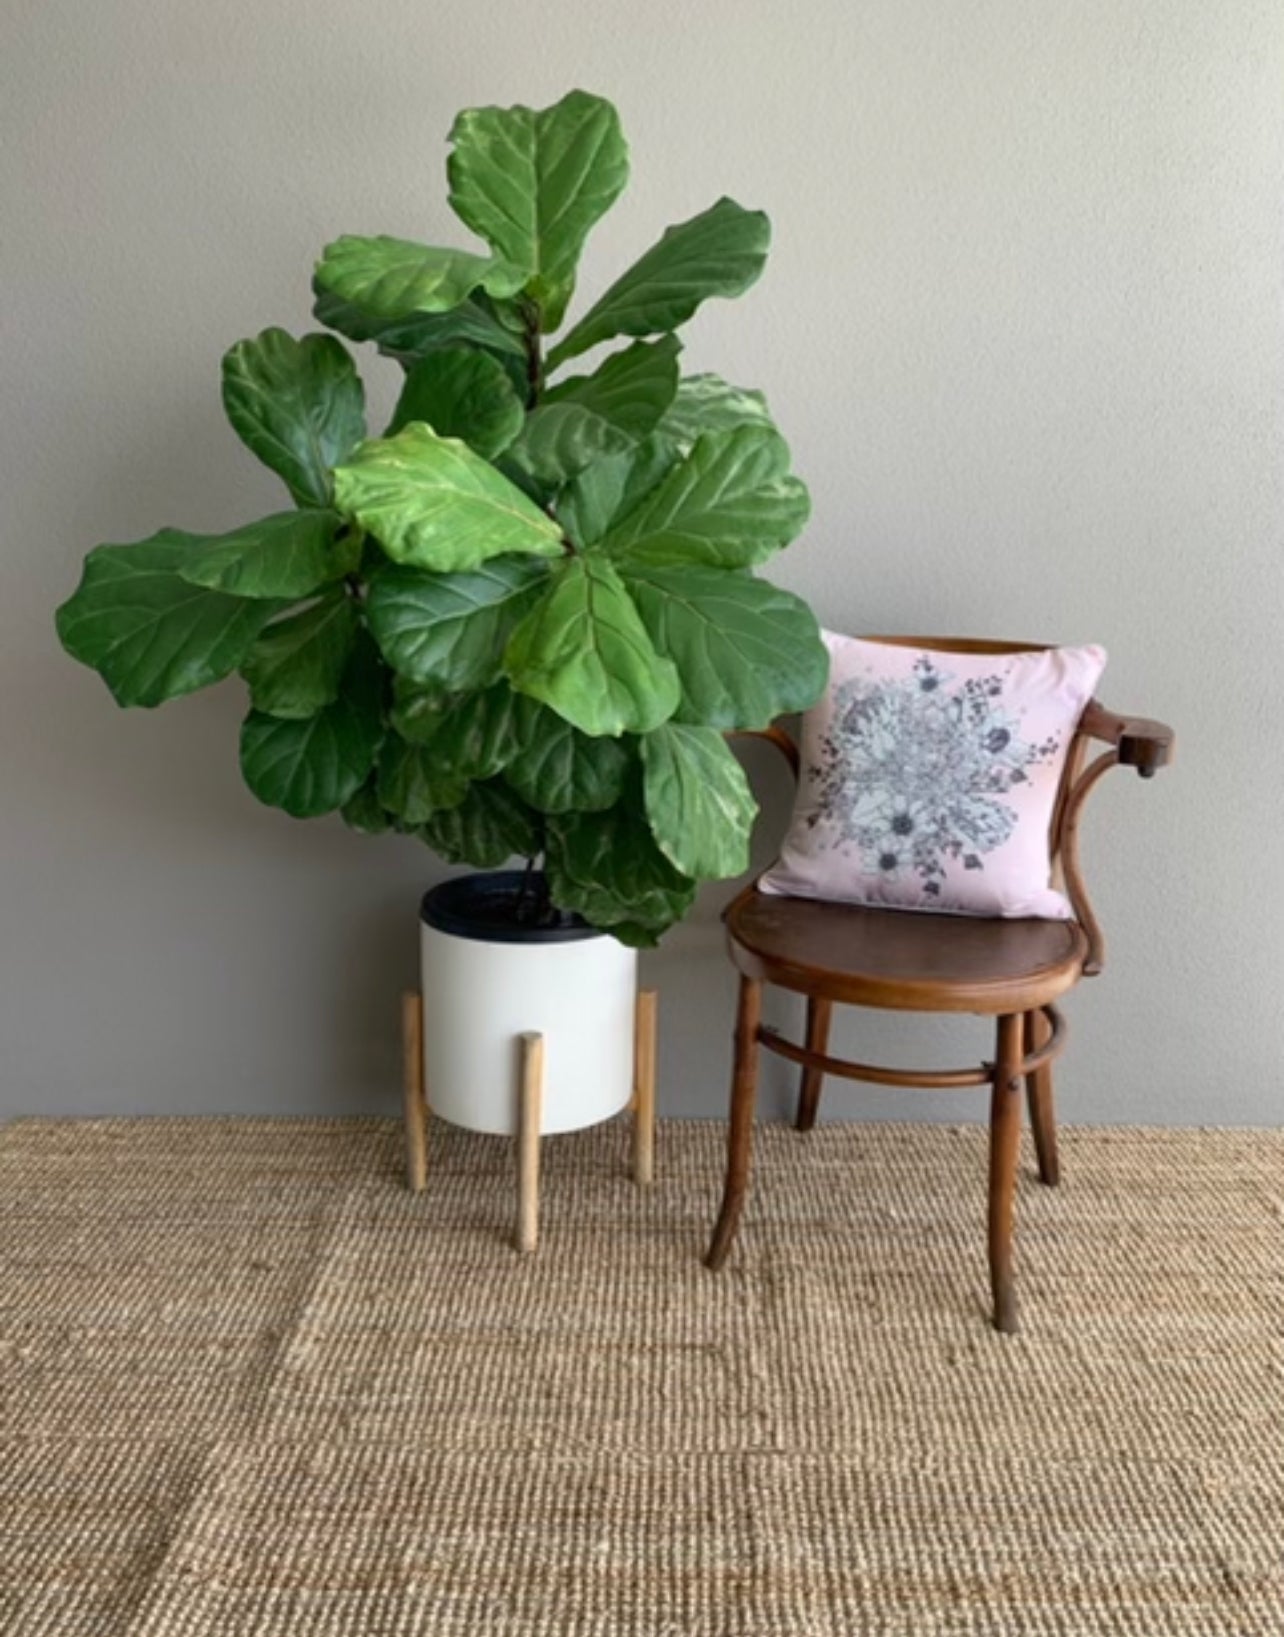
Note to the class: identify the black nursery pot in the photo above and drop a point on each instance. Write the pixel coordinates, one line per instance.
(502, 907)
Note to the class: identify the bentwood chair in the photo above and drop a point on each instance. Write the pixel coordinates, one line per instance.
(907, 960)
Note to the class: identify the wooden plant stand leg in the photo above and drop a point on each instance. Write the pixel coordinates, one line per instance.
(644, 1088)
(528, 1134)
(414, 1097)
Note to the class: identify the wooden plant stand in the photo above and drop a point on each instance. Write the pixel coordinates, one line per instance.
(530, 1106)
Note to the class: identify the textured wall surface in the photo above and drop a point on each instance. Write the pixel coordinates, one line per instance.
(1022, 325)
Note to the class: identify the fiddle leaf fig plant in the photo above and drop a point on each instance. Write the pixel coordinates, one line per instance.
(522, 619)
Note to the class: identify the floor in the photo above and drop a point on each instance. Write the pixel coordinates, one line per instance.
(248, 1384)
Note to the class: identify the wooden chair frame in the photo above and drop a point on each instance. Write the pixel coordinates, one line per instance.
(1030, 1031)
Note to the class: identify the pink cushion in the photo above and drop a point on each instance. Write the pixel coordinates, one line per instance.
(929, 779)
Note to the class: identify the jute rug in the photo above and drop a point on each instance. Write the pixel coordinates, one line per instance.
(250, 1385)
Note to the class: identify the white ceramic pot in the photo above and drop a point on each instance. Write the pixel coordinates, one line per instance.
(486, 982)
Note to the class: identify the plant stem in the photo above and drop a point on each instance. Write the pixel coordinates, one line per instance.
(524, 890)
(546, 915)
(354, 583)
(534, 357)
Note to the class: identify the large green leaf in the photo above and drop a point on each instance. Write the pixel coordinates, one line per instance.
(417, 709)
(610, 488)
(462, 393)
(473, 735)
(632, 389)
(432, 503)
(150, 634)
(364, 811)
(450, 629)
(481, 732)
(718, 253)
(490, 825)
(560, 440)
(608, 868)
(746, 651)
(412, 783)
(698, 800)
(393, 278)
(536, 490)
(729, 504)
(312, 766)
(414, 335)
(299, 405)
(584, 651)
(707, 403)
(290, 554)
(561, 770)
(296, 666)
(532, 184)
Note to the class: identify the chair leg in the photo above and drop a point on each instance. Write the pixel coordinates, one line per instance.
(1005, 1142)
(744, 1085)
(1038, 1092)
(819, 1012)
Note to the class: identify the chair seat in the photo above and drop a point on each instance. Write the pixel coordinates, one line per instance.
(904, 960)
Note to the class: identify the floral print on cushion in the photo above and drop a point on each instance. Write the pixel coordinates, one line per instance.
(930, 779)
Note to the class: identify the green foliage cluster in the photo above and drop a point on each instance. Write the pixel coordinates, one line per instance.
(522, 619)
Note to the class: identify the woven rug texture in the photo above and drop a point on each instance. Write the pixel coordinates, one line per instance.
(250, 1385)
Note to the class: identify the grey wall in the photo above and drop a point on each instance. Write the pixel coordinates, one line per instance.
(1022, 325)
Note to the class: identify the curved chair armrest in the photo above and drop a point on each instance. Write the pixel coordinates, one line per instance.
(1141, 743)
(1133, 741)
